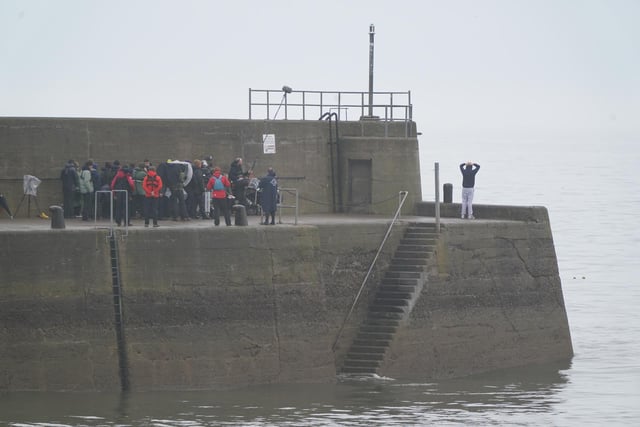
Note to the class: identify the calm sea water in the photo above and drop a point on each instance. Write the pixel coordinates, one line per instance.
(591, 191)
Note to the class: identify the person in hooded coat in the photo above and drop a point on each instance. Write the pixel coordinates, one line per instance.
(70, 184)
(269, 196)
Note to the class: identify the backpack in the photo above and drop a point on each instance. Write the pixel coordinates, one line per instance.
(217, 183)
(122, 184)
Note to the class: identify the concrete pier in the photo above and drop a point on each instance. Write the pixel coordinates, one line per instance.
(208, 307)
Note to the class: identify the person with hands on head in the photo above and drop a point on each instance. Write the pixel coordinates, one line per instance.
(469, 171)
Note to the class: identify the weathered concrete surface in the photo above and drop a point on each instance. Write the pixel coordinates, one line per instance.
(42, 146)
(204, 307)
(56, 317)
(493, 299)
(222, 307)
(493, 212)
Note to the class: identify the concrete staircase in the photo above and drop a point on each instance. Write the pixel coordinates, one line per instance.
(394, 299)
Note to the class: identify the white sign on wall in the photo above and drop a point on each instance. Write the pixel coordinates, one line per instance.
(269, 143)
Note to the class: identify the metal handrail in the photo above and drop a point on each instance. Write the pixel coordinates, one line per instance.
(358, 100)
(281, 206)
(375, 259)
(111, 193)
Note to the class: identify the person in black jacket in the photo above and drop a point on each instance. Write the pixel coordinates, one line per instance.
(70, 185)
(269, 197)
(469, 171)
(176, 179)
(195, 189)
(239, 180)
(163, 203)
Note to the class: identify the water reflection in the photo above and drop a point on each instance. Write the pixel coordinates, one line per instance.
(515, 396)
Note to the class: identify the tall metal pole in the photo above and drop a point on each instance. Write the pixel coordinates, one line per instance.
(372, 31)
(437, 182)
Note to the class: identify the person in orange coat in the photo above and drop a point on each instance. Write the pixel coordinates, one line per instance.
(151, 184)
(220, 186)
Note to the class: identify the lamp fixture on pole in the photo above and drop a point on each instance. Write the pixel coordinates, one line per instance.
(285, 91)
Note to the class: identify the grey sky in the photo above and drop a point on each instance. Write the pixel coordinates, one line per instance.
(503, 69)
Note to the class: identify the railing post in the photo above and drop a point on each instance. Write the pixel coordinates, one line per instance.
(304, 105)
(268, 103)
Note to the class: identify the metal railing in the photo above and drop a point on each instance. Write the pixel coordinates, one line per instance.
(281, 205)
(403, 195)
(111, 195)
(311, 104)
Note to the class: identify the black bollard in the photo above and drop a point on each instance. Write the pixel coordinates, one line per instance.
(57, 217)
(241, 215)
(447, 190)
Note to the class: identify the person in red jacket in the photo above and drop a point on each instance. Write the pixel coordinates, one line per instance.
(151, 184)
(220, 186)
(122, 181)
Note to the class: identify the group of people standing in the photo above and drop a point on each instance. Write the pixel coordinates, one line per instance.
(174, 189)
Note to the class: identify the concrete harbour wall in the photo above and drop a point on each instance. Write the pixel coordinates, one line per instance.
(229, 307)
(304, 150)
(493, 300)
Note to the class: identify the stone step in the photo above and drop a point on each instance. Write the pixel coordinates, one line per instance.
(378, 329)
(366, 351)
(423, 224)
(420, 230)
(371, 343)
(391, 301)
(397, 288)
(406, 268)
(375, 322)
(361, 371)
(360, 363)
(419, 235)
(412, 254)
(378, 308)
(365, 356)
(381, 321)
(384, 315)
(391, 281)
(375, 336)
(394, 295)
(402, 274)
(417, 248)
(408, 261)
(417, 240)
